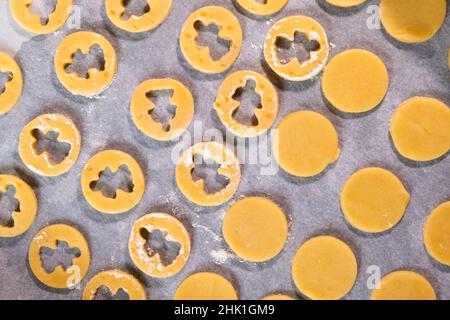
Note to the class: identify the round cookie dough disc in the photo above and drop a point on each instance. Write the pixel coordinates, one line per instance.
(404, 285)
(412, 21)
(205, 286)
(255, 228)
(345, 3)
(355, 81)
(277, 296)
(374, 200)
(420, 129)
(324, 268)
(436, 235)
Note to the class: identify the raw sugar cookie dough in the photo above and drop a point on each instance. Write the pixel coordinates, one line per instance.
(96, 81)
(255, 228)
(24, 214)
(412, 21)
(151, 261)
(403, 285)
(420, 129)
(49, 237)
(278, 296)
(355, 81)
(157, 11)
(374, 200)
(31, 22)
(124, 199)
(436, 233)
(115, 280)
(305, 143)
(324, 268)
(141, 108)
(40, 160)
(199, 57)
(13, 87)
(345, 3)
(205, 286)
(265, 8)
(287, 28)
(226, 104)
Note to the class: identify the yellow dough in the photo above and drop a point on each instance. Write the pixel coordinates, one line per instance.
(26, 213)
(41, 163)
(205, 286)
(420, 129)
(20, 11)
(266, 8)
(324, 268)
(97, 80)
(345, 3)
(115, 280)
(49, 238)
(295, 70)
(436, 233)
(404, 285)
(226, 106)
(278, 296)
(13, 88)
(147, 260)
(412, 20)
(123, 201)
(195, 190)
(255, 228)
(159, 10)
(305, 143)
(355, 81)
(199, 57)
(374, 200)
(141, 105)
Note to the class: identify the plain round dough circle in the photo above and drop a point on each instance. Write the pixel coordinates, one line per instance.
(355, 81)
(345, 3)
(404, 285)
(412, 21)
(255, 228)
(305, 143)
(278, 296)
(420, 129)
(324, 268)
(374, 200)
(205, 286)
(12, 88)
(436, 234)
(267, 8)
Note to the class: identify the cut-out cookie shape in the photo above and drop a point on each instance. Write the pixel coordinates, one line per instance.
(420, 129)
(48, 238)
(31, 22)
(374, 200)
(305, 143)
(199, 57)
(265, 8)
(194, 190)
(41, 161)
(141, 108)
(286, 29)
(205, 286)
(226, 105)
(345, 3)
(355, 81)
(324, 268)
(149, 259)
(115, 280)
(436, 233)
(255, 228)
(96, 81)
(403, 285)
(157, 13)
(123, 200)
(13, 88)
(412, 21)
(278, 296)
(25, 212)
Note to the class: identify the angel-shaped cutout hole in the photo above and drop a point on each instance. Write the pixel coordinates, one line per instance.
(48, 142)
(249, 101)
(5, 77)
(157, 242)
(300, 48)
(164, 111)
(43, 9)
(82, 63)
(109, 182)
(208, 36)
(103, 293)
(8, 204)
(63, 255)
(207, 170)
(136, 8)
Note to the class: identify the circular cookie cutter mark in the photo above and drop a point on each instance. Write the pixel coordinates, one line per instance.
(205, 286)
(266, 8)
(48, 237)
(141, 106)
(149, 260)
(96, 80)
(226, 105)
(13, 87)
(123, 200)
(436, 233)
(199, 57)
(345, 3)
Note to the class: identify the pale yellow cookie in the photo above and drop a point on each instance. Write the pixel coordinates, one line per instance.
(345, 3)
(278, 296)
(205, 286)
(13, 88)
(262, 8)
(436, 233)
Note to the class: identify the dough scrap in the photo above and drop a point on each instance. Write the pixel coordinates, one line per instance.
(278, 296)
(205, 286)
(436, 233)
(267, 8)
(13, 88)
